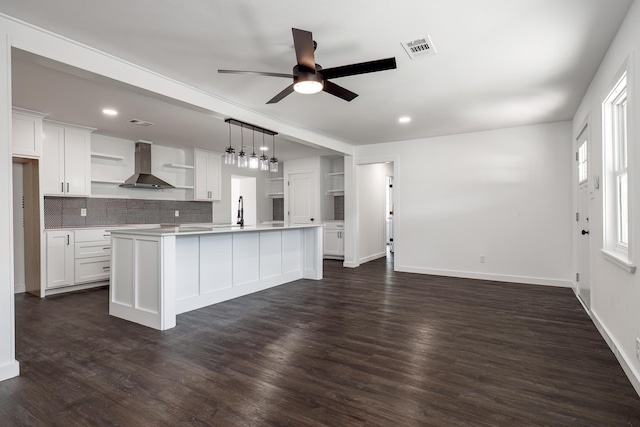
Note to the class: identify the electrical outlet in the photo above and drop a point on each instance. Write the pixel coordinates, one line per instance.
(177, 214)
(83, 211)
(481, 259)
(638, 348)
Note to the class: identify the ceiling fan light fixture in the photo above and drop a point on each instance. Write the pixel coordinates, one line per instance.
(308, 87)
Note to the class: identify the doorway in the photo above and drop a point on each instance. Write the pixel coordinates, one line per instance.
(27, 226)
(375, 203)
(583, 276)
(244, 186)
(389, 213)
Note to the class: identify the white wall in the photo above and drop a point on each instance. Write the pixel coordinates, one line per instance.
(615, 296)
(371, 197)
(504, 194)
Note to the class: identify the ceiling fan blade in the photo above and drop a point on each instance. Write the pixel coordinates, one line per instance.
(339, 91)
(303, 43)
(360, 68)
(281, 95)
(258, 73)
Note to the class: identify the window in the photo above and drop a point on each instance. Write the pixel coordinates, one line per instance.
(582, 163)
(616, 200)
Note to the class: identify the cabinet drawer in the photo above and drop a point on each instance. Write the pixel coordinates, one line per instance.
(92, 249)
(92, 269)
(92, 235)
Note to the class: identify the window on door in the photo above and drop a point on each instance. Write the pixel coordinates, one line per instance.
(614, 113)
(582, 163)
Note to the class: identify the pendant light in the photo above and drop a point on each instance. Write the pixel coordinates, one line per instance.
(229, 153)
(273, 163)
(264, 160)
(253, 159)
(243, 162)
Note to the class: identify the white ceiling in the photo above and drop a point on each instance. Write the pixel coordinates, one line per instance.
(500, 63)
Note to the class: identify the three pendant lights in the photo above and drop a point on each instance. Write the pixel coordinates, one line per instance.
(252, 161)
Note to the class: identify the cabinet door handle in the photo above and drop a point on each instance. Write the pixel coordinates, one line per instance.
(108, 247)
(67, 240)
(67, 187)
(62, 187)
(106, 268)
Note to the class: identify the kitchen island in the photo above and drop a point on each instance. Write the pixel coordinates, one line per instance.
(159, 273)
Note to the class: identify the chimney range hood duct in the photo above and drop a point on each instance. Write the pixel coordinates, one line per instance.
(142, 177)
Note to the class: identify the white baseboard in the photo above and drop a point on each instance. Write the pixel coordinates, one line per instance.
(350, 264)
(629, 370)
(372, 257)
(485, 276)
(10, 370)
(19, 289)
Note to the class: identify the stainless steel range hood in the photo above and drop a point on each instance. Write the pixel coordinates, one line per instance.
(142, 178)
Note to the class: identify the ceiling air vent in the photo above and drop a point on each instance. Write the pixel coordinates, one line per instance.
(419, 48)
(140, 122)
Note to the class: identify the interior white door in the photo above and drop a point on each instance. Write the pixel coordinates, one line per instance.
(584, 240)
(302, 198)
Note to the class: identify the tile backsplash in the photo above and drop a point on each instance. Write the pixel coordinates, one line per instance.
(61, 212)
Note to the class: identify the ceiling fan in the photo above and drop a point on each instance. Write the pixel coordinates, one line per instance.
(309, 77)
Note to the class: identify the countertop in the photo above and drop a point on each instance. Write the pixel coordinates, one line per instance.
(189, 229)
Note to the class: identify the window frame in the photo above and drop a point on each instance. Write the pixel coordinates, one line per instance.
(618, 169)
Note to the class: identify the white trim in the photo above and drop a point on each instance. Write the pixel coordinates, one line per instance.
(349, 264)
(485, 276)
(9, 370)
(629, 370)
(621, 262)
(20, 289)
(372, 257)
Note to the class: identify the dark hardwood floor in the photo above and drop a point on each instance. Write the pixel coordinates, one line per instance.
(364, 346)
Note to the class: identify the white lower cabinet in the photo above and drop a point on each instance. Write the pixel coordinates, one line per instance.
(60, 268)
(333, 240)
(77, 257)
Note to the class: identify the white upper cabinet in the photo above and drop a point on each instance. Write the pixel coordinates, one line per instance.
(27, 133)
(66, 160)
(206, 175)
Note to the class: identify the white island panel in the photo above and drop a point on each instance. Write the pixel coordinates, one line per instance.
(291, 247)
(146, 290)
(246, 258)
(122, 271)
(270, 254)
(216, 272)
(187, 267)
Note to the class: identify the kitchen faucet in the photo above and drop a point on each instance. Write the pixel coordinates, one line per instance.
(240, 212)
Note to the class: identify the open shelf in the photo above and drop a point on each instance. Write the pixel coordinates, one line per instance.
(106, 181)
(275, 195)
(276, 179)
(107, 156)
(335, 174)
(178, 166)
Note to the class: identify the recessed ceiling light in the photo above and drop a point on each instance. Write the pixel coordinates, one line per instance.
(404, 119)
(109, 112)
